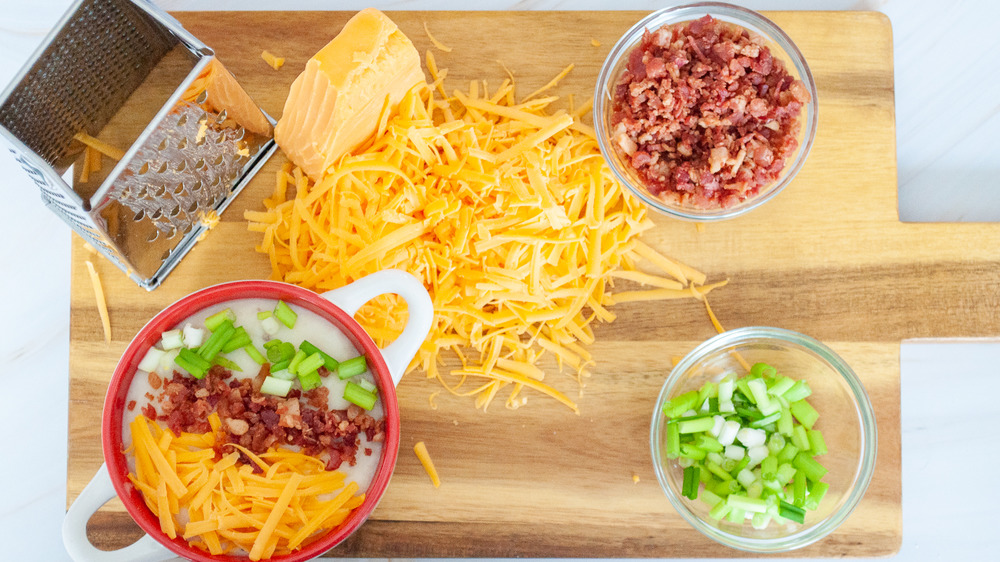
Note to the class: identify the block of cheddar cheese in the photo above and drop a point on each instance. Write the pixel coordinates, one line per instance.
(334, 105)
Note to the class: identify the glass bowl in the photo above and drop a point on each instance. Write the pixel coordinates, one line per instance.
(781, 48)
(845, 419)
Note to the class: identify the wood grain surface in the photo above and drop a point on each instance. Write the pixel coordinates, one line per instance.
(827, 257)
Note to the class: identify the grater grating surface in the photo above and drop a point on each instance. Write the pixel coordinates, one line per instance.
(128, 74)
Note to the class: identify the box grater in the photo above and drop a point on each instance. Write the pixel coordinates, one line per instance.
(126, 73)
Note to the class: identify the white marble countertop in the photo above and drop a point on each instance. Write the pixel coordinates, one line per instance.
(947, 94)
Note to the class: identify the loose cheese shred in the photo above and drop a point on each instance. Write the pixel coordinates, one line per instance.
(425, 459)
(595, 42)
(102, 304)
(87, 166)
(505, 210)
(552, 83)
(225, 506)
(100, 146)
(434, 41)
(275, 62)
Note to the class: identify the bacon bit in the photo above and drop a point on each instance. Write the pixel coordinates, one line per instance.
(288, 413)
(131, 405)
(155, 381)
(237, 427)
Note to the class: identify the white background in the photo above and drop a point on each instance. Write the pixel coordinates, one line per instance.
(947, 101)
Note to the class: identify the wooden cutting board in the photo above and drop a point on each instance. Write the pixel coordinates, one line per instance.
(827, 257)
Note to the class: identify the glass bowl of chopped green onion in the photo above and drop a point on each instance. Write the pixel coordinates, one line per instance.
(763, 439)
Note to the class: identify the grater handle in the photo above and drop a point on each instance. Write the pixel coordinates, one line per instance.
(419, 306)
(74, 529)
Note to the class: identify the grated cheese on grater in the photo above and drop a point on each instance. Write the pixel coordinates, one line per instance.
(506, 211)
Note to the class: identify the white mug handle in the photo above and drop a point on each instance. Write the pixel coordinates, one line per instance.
(421, 312)
(74, 529)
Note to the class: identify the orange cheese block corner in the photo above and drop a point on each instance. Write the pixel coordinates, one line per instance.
(334, 105)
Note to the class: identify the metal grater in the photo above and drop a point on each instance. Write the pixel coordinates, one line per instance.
(125, 72)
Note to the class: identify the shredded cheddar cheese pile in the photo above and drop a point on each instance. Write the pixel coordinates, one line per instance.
(508, 214)
(228, 507)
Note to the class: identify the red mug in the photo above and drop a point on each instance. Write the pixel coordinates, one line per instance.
(337, 307)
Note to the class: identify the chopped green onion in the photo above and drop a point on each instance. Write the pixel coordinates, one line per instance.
(804, 412)
(151, 360)
(799, 489)
(739, 501)
(293, 366)
(329, 362)
(769, 468)
(726, 487)
(717, 470)
(219, 337)
(270, 326)
(255, 354)
(310, 380)
(698, 416)
(767, 420)
(743, 385)
(172, 339)
(763, 370)
(785, 473)
(736, 515)
(816, 493)
(800, 439)
(239, 339)
(816, 442)
(367, 385)
(791, 512)
(708, 390)
(760, 521)
(689, 489)
(283, 374)
(751, 413)
(285, 314)
(690, 451)
(223, 362)
(311, 363)
(263, 315)
(798, 391)
(709, 498)
(720, 510)
(675, 407)
(709, 443)
(780, 386)
(275, 386)
(785, 423)
(759, 389)
(352, 367)
(214, 321)
(193, 337)
(280, 351)
(673, 441)
(776, 443)
(788, 453)
(813, 469)
(281, 366)
(692, 426)
(193, 363)
(357, 395)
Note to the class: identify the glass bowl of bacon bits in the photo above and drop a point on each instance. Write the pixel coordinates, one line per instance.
(705, 111)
